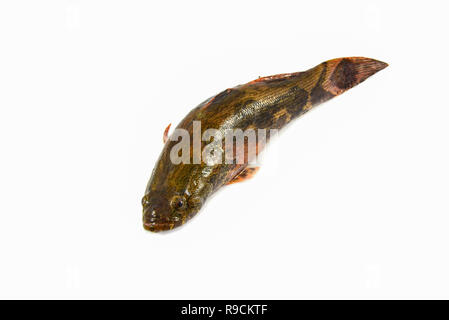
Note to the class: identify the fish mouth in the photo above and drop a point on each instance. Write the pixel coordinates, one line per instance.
(156, 227)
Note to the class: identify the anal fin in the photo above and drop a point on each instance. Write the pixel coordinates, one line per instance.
(246, 174)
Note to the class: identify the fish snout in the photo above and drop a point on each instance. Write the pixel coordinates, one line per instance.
(155, 221)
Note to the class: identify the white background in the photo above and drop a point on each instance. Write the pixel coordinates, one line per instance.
(355, 206)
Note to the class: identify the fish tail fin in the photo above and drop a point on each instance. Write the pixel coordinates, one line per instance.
(333, 77)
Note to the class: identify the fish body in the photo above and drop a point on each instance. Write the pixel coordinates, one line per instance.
(176, 192)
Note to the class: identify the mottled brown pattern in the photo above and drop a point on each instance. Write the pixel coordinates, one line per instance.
(280, 121)
(345, 74)
(299, 101)
(268, 102)
(320, 95)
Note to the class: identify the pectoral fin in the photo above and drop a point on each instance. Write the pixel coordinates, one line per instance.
(246, 174)
(166, 133)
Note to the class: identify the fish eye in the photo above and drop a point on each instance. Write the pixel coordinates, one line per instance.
(178, 203)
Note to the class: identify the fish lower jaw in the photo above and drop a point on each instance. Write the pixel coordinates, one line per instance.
(156, 227)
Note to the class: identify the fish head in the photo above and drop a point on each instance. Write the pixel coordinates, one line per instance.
(164, 210)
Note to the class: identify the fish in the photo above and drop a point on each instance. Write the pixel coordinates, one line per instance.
(176, 192)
